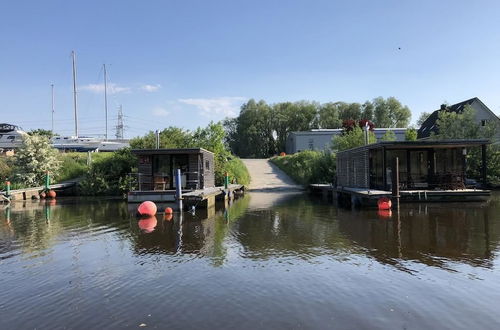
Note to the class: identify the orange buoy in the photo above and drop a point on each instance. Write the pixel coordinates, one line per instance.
(168, 216)
(51, 194)
(52, 202)
(168, 210)
(147, 208)
(384, 214)
(384, 203)
(148, 224)
(282, 154)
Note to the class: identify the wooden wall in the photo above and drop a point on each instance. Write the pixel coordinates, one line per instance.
(145, 169)
(353, 168)
(208, 173)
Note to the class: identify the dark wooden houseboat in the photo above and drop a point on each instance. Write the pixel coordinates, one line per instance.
(428, 170)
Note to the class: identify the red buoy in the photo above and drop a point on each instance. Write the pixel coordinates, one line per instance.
(168, 210)
(384, 214)
(168, 216)
(147, 208)
(282, 154)
(51, 194)
(384, 203)
(148, 224)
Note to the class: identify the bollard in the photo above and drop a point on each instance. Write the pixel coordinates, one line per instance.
(178, 188)
(47, 181)
(226, 180)
(7, 183)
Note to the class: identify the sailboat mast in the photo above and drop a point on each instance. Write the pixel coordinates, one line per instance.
(74, 93)
(105, 100)
(52, 86)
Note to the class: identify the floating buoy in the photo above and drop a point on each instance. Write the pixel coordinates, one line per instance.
(384, 214)
(51, 194)
(384, 203)
(168, 210)
(52, 202)
(282, 154)
(147, 208)
(168, 216)
(148, 224)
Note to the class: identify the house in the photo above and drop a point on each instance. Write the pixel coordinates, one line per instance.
(321, 139)
(482, 112)
(427, 166)
(156, 168)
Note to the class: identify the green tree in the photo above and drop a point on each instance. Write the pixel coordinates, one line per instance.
(390, 113)
(352, 139)
(423, 117)
(367, 111)
(349, 111)
(411, 134)
(458, 125)
(43, 132)
(328, 115)
(170, 137)
(388, 136)
(34, 159)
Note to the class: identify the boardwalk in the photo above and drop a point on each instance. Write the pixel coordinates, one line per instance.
(265, 176)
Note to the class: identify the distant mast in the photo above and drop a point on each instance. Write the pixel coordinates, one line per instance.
(52, 87)
(105, 101)
(74, 92)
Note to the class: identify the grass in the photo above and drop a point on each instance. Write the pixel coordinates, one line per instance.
(307, 167)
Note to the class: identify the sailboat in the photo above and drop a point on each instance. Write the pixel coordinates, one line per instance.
(82, 143)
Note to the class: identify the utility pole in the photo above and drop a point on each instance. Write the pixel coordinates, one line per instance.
(52, 87)
(119, 126)
(105, 100)
(74, 93)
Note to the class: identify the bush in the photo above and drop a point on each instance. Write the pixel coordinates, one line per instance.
(5, 168)
(308, 167)
(235, 168)
(108, 174)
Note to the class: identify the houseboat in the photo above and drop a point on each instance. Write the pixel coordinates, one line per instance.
(427, 171)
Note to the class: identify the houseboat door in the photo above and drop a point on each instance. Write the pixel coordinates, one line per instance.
(419, 169)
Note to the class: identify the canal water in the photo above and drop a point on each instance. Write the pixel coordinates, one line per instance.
(270, 261)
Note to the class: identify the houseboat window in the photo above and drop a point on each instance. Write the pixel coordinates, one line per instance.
(448, 161)
(207, 165)
(418, 168)
(376, 169)
(403, 172)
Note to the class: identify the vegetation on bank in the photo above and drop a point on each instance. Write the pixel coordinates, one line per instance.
(308, 167)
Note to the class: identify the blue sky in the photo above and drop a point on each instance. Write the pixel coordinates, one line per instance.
(185, 63)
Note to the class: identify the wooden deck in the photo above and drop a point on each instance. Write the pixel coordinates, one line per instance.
(33, 192)
(205, 197)
(368, 197)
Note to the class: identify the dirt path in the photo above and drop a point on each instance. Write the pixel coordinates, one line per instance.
(267, 176)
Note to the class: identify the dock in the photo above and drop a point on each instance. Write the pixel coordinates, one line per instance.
(368, 197)
(34, 192)
(199, 198)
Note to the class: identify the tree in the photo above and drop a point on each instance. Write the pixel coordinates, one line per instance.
(423, 117)
(455, 125)
(352, 139)
(390, 113)
(43, 132)
(328, 114)
(411, 134)
(170, 137)
(34, 159)
(367, 111)
(349, 111)
(388, 136)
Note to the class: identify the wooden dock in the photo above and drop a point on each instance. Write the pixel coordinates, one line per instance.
(199, 198)
(34, 192)
(369, 197)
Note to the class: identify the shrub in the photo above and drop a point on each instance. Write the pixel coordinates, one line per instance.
(235, 168)
(308, 167)
(108, 175)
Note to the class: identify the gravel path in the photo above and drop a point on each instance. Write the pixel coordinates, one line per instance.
(265, 176)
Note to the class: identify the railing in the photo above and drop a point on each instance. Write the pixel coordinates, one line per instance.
(161, 182)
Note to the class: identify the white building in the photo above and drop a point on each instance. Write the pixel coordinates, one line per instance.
(321, 139)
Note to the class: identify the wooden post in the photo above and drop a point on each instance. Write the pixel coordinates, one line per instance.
(483, 167)
(395, 178)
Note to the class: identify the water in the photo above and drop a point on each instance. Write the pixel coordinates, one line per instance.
(270, 261)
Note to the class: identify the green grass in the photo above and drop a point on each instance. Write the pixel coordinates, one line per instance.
(308, 167)
(235, 169)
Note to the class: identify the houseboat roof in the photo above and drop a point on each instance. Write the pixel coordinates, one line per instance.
(453, 143)
(170, 151)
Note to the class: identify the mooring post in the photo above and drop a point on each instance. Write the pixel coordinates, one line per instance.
(7, 189)
(395, 180)
(226, 185)
(178, 188)
(47, 181)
